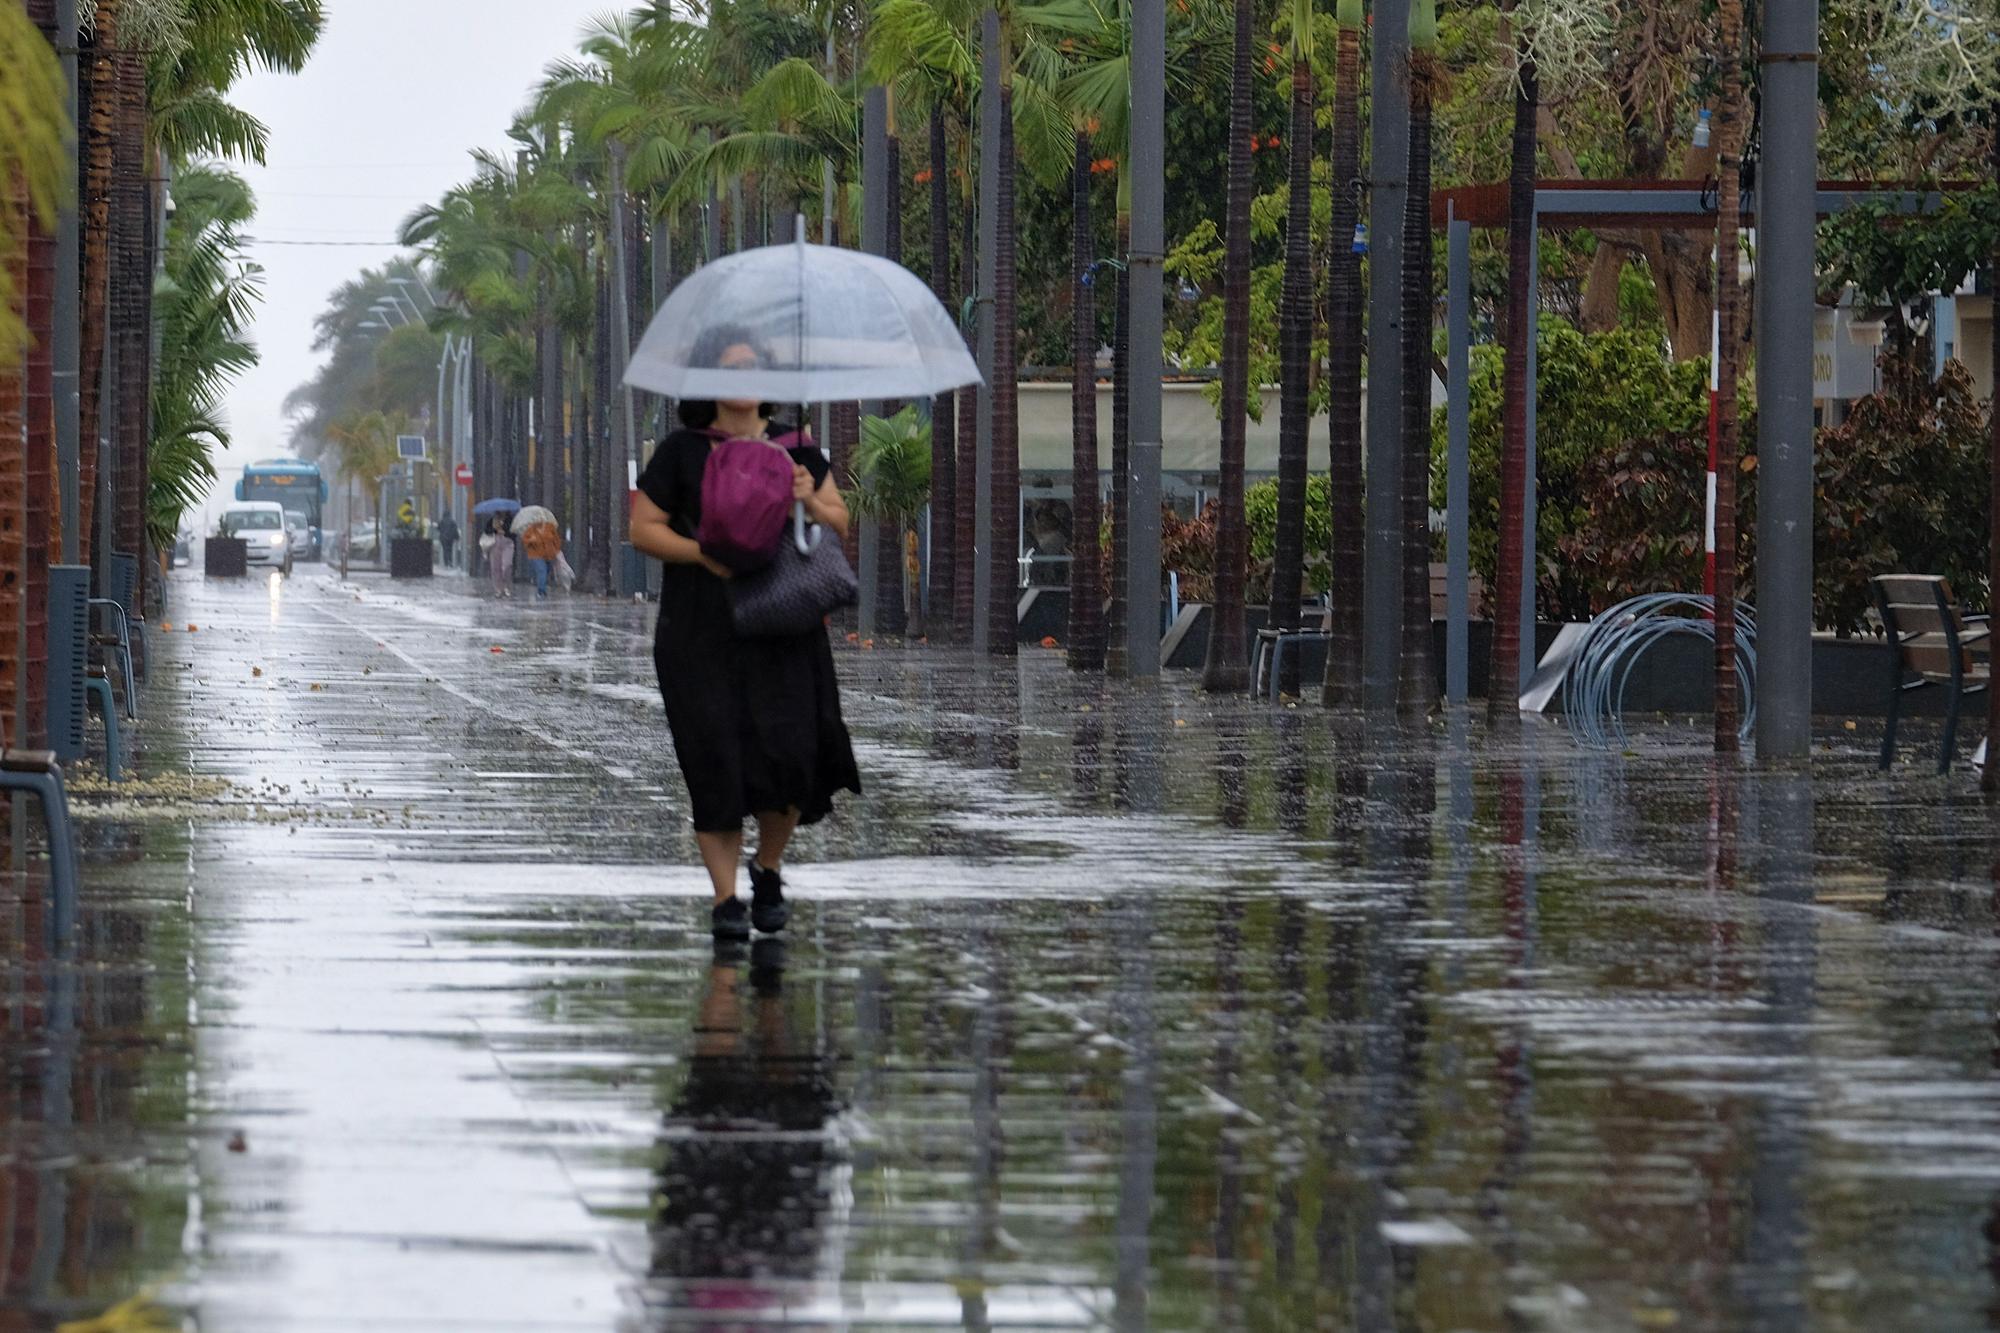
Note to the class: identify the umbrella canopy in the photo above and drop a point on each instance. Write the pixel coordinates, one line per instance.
(529, 517)
(825, 324)
(487, 508)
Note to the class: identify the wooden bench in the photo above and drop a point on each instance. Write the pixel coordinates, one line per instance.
(1931, 644)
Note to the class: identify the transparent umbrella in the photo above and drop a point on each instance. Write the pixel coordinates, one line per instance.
(823, 323)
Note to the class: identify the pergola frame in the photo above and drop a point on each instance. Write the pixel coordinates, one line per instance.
(1646, 205)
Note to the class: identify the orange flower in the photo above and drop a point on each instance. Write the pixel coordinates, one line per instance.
(923, 177)
(1049, 641)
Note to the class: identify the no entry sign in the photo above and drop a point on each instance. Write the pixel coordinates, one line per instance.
(464, 474)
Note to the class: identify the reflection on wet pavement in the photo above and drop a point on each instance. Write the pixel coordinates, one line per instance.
(1107, 1007)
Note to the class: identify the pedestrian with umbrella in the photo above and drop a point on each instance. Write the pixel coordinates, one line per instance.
(542, 543)
(744, 663)
(496, 544)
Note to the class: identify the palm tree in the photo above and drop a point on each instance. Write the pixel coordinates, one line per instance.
(923, 48)
(1295, 348)
(1086, 584)
(1513, 587)
(1729, 191)
(207, 297)
(894, 473)
(942, 574)
(891, 614)
(1344, 308)
(1006, 519)
(34, 135)
(1989, 775)
(1095, 40)
(1426, 73)
(1227, 669)
(99, 142)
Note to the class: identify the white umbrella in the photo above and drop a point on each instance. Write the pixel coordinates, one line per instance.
(826, 324)
(528, 517)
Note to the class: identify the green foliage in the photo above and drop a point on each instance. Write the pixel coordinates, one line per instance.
(1901, 486)
(35, 145)
(1260, 511)
(1597, 391)
(893, 466)
(204, 302)
(365, 448)
(1892, 257)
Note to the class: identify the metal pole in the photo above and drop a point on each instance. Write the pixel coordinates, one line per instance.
(1457, 478)
(874, 240)
(989, 240)
(1785, 226)
(1143, 282)
(66, 346)
(1389, 154)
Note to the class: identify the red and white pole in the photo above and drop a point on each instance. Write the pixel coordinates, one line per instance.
(1714, 437)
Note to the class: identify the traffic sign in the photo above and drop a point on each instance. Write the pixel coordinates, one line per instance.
(464, 474)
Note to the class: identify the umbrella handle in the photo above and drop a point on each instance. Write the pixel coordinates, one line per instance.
(800, 529)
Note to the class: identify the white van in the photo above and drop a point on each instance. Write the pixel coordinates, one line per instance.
(267, 540)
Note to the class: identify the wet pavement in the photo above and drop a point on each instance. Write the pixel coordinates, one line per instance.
(392, 1007)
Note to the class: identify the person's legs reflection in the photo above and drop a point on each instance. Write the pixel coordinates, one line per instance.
(743, 1189)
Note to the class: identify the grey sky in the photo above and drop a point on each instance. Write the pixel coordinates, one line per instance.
(380, 121)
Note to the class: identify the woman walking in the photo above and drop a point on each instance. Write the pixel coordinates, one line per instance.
(756, 720)
(499, 548)
(543, 545)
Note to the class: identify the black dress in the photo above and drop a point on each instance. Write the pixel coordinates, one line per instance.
(756, 721)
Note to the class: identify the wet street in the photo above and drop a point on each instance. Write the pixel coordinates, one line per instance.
(393, 1007)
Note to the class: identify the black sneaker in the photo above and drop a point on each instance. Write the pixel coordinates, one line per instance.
(730, 920)
(768, 909)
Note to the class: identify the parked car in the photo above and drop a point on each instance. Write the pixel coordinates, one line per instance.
(182, 550)
(361, 540)
(261, 524)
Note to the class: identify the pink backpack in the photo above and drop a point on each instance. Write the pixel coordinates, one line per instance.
(746, 496)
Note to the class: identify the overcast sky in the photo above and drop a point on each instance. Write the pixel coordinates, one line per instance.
(396, 95)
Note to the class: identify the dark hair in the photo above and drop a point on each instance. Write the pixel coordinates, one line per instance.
(699, 413)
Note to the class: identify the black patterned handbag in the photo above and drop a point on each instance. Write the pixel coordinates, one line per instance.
(808, 579)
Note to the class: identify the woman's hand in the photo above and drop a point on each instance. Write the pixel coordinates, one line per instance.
(803, 485)
(715, 567)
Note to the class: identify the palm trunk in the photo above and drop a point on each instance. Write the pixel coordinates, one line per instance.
(548, 405)
(943, 620)
(843, 438)
(1989, 776)
(38, 473)
(966, 572)
(100, 91)
(1228, 668)
(601, 554)
(1295, 355)
(579, 470)
(1344, 295)
(891, 609)
(1004, 570)
(14, 555)
(1510, 586)
(1117, 643)
(1086, 583)
(131, 307)
(1416, 686)
(1728, 306)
